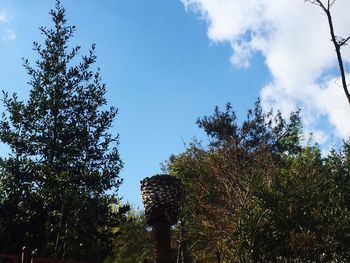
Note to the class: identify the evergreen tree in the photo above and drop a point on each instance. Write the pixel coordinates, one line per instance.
(223, 182)
(56, 183)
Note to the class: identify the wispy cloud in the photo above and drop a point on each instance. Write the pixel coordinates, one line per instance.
(3, 17)
(294, 39)
(6, 32)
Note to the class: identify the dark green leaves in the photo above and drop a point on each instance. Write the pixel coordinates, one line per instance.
(64, 162)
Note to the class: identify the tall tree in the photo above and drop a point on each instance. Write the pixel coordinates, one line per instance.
(59, 183)
(256, 194)
(223, 212)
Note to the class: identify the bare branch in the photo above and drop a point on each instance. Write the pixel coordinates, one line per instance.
(320, 4)
(337, 42)
(314, 2)
(330, 3)
(344, 42)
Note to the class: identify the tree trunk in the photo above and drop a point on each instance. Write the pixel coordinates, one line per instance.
(337, 46)
(218, 257)
(179, 253)
(161, 236)
(337, 42)
(182, 256)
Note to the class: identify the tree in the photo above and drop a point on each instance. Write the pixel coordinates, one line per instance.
(59, 183)
(255, 193)
(337, 41)
(296, 202)
(223, 212)
(134, 243)
(338, 166)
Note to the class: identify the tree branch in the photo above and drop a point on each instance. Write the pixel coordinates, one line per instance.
(344, 42)
(337, 44)
(318, 3)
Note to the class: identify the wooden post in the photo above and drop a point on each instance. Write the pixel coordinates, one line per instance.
(25, 255)
(34, 252)
(161, 196)
(161, 239)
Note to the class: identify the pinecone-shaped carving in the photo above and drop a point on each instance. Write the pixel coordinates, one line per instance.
(161, 196)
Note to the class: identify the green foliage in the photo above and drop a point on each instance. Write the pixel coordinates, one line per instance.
(256, 194)
(134, 242)
(56, 183)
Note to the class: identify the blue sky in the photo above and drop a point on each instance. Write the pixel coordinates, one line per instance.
(166, 63)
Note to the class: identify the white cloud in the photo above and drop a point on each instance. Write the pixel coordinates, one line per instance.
(293, 37)
(3, 17)
(6, 32)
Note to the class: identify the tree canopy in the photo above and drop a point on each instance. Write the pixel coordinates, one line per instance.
(258, 192)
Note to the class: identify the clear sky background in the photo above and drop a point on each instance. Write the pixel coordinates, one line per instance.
(168, 62)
